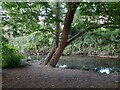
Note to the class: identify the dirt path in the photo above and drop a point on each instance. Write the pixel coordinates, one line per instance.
(37, 76)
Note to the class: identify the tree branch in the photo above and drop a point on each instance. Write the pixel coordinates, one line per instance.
(83, 32)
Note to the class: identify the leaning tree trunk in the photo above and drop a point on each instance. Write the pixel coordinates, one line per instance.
(49, 55)
(67, 24)
(54, 57)
(56, 43)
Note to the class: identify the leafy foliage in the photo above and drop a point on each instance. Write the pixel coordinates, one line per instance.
(34, 23)
(10, 56)
(30, 42)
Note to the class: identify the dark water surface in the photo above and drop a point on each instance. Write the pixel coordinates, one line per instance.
(97, 64)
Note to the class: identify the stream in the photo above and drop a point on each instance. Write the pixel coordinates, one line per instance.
(96, 64)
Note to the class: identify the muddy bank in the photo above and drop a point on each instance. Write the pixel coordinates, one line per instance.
(38, 76)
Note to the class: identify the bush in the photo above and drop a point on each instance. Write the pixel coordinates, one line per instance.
(10, 56)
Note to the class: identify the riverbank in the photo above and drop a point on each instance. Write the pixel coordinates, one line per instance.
(99, 56)
(34, 75)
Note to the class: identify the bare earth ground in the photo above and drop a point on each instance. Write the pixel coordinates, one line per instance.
(38, 76)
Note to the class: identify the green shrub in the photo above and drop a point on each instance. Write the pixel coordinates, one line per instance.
(10, 56)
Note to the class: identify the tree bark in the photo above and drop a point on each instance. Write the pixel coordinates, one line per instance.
(49, 55)
(57, 23)
(56, 43)
(67, 24)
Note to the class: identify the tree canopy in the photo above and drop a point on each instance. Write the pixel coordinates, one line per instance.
(81, 25)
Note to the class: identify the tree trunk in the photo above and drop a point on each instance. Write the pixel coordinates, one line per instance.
(49, 55)
(65, 41)
(57, 23)
(68, 20)
(72, 6)
(56, 44)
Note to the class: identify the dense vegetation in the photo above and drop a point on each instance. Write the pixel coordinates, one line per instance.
(10, 56)
(32, 26)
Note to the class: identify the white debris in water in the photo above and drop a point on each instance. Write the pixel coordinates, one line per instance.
(105, 70)
(62, 66)
(29, 57)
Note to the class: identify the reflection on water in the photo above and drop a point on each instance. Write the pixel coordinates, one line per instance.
(90, 64)
(62, 66)
(105, 70)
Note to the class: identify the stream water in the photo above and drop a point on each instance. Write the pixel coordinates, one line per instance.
(100, 65)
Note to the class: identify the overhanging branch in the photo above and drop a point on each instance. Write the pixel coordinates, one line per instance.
(91, 28)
